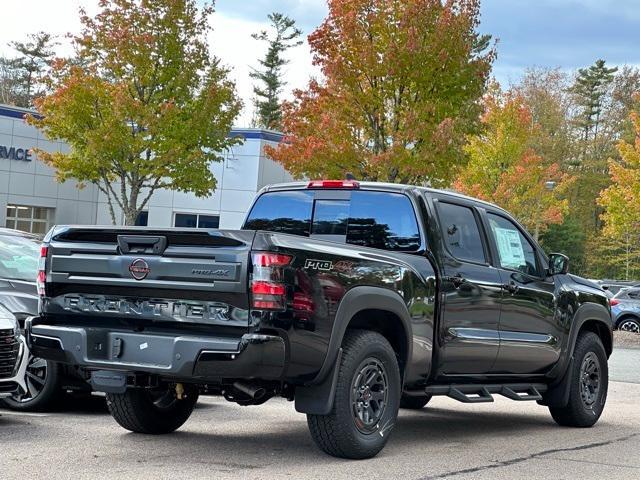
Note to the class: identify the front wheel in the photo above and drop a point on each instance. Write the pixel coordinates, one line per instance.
(589, 380)
(366, 400)
(152, 411)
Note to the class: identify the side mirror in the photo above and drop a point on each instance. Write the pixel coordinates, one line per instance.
(558, 264)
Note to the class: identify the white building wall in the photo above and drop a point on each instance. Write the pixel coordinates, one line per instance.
(33, 183)
(243, 170)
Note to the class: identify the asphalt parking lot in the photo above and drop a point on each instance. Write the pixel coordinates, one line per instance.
(504, 440)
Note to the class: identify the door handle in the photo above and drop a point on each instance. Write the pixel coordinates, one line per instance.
(511, 287)
(456, 280)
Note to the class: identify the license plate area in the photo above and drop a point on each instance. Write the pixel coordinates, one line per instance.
(141, 349)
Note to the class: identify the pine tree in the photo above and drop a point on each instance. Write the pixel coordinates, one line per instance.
(33, 60)
(268, 113)
(590, 89)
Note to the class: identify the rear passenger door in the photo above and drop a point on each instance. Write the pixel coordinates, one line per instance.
(529, 333)
(470, 292)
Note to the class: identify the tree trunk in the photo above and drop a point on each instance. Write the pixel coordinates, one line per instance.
(130, 216)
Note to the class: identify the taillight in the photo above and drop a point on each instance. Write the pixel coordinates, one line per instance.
(333, 184)
(42, 270)
(268, 291)
(613, 301)
(271, 259)
(267, 288)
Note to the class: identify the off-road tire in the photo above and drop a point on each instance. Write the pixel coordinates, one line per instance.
(136, 411)
(414, 403)
(337, 433)
(577, 413)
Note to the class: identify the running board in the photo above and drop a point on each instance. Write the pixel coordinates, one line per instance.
(472, 393)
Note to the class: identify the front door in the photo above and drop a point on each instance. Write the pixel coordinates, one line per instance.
(470, 294)
(529, 333)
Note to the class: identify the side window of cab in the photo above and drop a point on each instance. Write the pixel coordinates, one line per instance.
(460, 232)
(515, 251)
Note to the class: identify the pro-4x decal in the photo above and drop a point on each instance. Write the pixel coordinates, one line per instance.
(325, 265)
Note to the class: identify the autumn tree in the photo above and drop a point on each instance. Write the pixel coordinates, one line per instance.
(401, 89)
(621, 200)
(144, 107)
(544, 93)
(270, 76)
(21, 76)
(504, 169)
(624, 100)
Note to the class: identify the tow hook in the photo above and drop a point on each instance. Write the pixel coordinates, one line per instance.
(179, 391)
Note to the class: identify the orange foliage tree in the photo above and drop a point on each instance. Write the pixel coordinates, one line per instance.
(621, 201)
(401, 89)
(505, 170)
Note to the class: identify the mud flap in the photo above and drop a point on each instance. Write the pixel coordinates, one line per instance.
(558, 394)
(318, 399)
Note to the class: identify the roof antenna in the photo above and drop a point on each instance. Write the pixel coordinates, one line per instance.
(349, 176)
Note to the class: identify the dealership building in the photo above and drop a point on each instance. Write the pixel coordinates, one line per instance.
(32, 200)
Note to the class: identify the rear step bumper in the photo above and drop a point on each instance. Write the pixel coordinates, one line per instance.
(185, 357)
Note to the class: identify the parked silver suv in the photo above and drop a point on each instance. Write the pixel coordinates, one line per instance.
(625, 310)
(13, 355)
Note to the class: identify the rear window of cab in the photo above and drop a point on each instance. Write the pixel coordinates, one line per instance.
(381, 220)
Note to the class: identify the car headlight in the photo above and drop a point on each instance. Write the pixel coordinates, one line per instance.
(7, 317)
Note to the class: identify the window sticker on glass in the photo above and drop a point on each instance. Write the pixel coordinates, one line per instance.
(509, 247)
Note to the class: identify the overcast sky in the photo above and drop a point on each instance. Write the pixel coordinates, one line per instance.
(550, 33)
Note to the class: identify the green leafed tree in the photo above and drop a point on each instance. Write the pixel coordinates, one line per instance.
(143, 106)
(284, 36)
(568, 238)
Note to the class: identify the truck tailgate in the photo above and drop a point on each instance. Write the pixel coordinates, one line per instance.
(187, 275)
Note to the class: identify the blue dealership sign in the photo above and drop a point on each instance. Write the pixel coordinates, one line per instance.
(13, 153)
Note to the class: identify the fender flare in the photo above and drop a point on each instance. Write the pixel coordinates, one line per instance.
(558, 393)
(317, 396)
(589, 312)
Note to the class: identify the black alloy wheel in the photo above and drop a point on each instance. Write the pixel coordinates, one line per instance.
(369, 395)
(590, 379)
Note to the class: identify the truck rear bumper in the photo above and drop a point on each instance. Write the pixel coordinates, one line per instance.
(184, 357)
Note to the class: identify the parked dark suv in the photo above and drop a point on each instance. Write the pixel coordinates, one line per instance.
(353, 299)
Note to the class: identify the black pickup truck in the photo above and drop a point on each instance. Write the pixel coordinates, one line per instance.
(353, 299)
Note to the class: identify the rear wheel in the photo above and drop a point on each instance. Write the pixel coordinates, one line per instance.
(588, 384)
(414, 403)
(152, 411)
(42, 378)
(366, 400)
